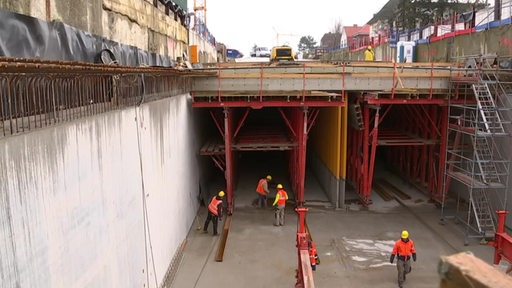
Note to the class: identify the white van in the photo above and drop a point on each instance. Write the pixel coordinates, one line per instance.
(260, 52)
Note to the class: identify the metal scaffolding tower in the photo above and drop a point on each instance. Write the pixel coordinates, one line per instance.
(478, 152)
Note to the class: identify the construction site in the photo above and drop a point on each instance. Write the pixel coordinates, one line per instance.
(108, 168)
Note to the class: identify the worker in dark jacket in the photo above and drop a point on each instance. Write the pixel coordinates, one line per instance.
(403, 250)
(214, 212)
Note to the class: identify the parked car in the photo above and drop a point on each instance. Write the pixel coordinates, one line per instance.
(233, 53)
(260, 52)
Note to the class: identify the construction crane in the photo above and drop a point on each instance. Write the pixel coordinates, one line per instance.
(281, 34)
(200, 11)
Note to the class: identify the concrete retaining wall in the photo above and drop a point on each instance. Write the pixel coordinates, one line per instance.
(84, 205)
(333, 187)
(131, 22)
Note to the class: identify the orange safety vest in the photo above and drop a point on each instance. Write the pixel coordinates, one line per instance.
(259, 188)
(282, 197)
(402, 248)
(213, 205)
(312, 255)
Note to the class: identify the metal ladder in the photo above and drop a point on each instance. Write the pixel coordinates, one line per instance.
(482, 211)
(491, 119)
(484, 160)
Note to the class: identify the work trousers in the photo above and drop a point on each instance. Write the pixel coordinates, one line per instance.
(279, 218)
(262, 200)
(215, 220)
(403, 267)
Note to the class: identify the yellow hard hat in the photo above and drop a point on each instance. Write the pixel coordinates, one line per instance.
(405, 234)
(221, 193)
(279, 186)
(269, 177)
(370, 47)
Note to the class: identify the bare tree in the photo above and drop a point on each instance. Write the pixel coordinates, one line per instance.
(338, 27)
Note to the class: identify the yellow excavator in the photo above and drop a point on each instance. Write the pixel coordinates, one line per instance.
(282, 53)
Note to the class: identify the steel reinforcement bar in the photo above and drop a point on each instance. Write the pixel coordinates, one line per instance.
(37, 93)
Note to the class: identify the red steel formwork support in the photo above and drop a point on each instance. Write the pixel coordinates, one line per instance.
(304, 273)
(297, 161)
(302, 134)
(228, 136)
(362, 156)
(502, 242)
(436, 188)
(416, 142)
(301, 122)
(421, 158)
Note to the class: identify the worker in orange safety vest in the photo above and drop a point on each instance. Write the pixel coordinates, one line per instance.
(403, 250)
(281, 197)
(214, 212)
(262, 190)
(313, 255)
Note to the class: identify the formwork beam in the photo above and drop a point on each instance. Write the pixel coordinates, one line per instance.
(327, 77)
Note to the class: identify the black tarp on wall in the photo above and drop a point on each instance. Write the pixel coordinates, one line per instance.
(23, 36)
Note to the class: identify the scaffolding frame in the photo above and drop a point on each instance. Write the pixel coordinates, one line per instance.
(480, 117)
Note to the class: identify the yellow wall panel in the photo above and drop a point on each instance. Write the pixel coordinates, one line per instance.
(328, 139)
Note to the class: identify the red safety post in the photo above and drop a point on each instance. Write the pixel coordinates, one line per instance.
(261, 82)
(303, 82)
(304, 273)
(431, 81)
(394, 81)
(343, 83)
(502, 242)
(218, 84)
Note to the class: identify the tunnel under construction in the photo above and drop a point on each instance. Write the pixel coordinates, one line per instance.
(435, 125)
(442, 127)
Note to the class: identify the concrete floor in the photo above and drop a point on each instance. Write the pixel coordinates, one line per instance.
(354, 244)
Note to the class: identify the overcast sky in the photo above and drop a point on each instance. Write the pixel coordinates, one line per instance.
(242, 23)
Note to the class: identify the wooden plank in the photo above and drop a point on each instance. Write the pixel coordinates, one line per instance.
(466, 270)
(307, 272)
(382, 191)
(393, 189)
(219, 257)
